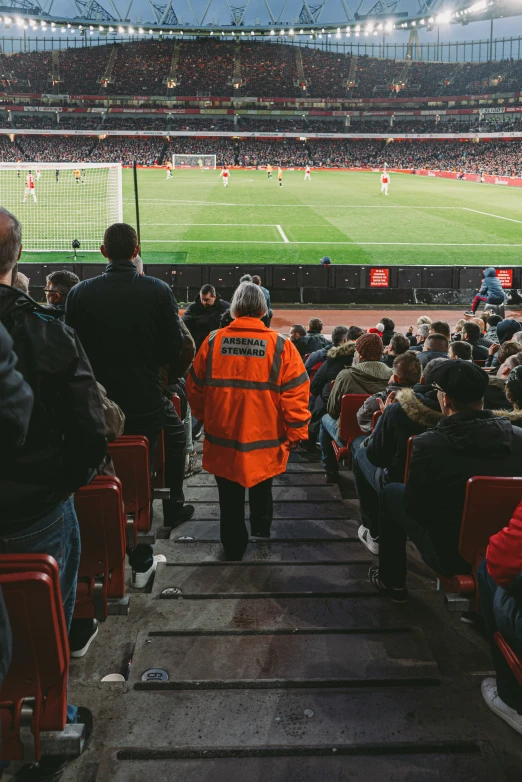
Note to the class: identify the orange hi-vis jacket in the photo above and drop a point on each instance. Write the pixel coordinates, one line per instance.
(249, 387)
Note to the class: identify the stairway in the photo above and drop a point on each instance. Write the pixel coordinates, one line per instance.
(286, 666)
(350, 83)
(54, 76)
(172, 78)
(402, 80)
(237, 78)
(301, 79)
(106, 78)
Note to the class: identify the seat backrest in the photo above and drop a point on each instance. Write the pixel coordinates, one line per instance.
(40, 659)
(130, 456)
(409, 451)
(348, 426)
(489, 505)
(480, 362)
(176, 401)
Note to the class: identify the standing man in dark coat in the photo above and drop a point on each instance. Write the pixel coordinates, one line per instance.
(204, 314)
(129, 326)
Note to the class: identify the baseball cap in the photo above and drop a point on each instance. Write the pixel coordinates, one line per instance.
(461, 381)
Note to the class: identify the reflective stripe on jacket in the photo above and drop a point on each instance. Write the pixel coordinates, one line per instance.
(249, 387)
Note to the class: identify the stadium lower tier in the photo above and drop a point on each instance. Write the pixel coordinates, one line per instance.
(499, 157)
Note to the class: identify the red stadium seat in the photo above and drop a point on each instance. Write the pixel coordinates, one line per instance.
(176, 401)
(511, 658)
(314, 369)
(348, 426)
(130, 455)
(409, 451)
(99, 507)
(33, 697)
(479, 362)
(488, 507)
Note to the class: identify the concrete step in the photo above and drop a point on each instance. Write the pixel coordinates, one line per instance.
(216, 580)
(284, 510)
(321, 493)
(444, 761)
(184, 551)
(291, 530)
(285, 479)
(254, 658)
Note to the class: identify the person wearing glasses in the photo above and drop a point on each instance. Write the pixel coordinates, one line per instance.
(58, 285)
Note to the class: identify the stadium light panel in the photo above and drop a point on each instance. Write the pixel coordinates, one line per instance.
(444, 18)
(91, 27)
(369, 27)
(272, 32)
(322, 30)
(31, 23)
(301, 32)
(357, 28)
(348, 35)
(131, 30)
(282, 32)
(19, 21)
(140, 31)
(414, 23)
(80, 27)
(337, 35)
(290, 32)
(121, 30)
(7, 20)
(252, 32)
(431, 20)
(422, 21)
(356, 35)
(380, 27)
(62, 30)
(68, 26)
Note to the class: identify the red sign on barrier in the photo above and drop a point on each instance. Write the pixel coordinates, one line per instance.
(506, 277)
(379, 278)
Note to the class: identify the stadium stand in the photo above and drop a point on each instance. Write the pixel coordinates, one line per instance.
(205, 68)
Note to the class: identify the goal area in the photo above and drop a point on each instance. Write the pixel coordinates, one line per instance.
(193, 161)
(71, 201)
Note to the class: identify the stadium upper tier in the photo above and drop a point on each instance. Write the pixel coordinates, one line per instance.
(218, 68)
(498, 158)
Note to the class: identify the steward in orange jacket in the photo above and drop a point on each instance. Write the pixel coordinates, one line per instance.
(248, 386)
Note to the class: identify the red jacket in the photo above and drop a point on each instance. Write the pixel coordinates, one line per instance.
(504, 553)
(249, 387)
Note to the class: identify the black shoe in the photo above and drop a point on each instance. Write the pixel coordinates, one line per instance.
(51, 768)
(81, 636)
(399, 596)
(308, 445)
(185, 514)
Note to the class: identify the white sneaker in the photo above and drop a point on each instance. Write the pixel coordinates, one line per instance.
(140, 580)
(365, 538)
(501, 709)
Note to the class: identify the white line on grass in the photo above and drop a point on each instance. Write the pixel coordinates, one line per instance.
(291, 206)
(488, 214)
(325, 242)
(285, 238)
(224, 225)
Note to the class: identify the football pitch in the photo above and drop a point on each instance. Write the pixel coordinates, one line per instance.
(192, 218)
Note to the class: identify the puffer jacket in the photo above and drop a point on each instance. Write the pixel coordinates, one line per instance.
(367, 377)
(371, 405)
(411, 414)
(338, 358)
(491, 287)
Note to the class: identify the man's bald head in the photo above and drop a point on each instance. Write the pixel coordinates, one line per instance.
(10, 241)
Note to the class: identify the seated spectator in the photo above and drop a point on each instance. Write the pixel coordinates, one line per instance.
(491, 331)
(204, 314)
(467, 441)
(441, 327)
(506, 329)
(377, 329)
(457, 334)
(471, 334)
(397, 346)
(315, 328)
(311, 340)
(499, 580)
(424, 320)
(420, 337)
(17, 398)
(339, 336)
(406, 374)
(58, 285)
(460, 349)
(482, 340)
(21, 282)
(435, 346)
(388, 331)
(514, 389)
(497, 354)
(367, 375)
(491, 291)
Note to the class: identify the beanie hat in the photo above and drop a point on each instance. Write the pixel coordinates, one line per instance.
(326, 261)
(506, 329)
(461, 381)
(370, 347)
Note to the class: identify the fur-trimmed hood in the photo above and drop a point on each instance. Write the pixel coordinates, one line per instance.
(514, 416)
(416, 410)
(497, 382)
(337, 351)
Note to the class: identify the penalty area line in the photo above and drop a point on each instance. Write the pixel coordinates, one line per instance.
(351, 244)
(488, 214)
(285, 238)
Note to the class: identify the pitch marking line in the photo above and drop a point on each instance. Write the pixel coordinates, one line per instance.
(352, 244)
(285, 238)
(290, 206)
(488, 214)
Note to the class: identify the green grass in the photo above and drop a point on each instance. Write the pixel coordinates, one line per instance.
(423, 221)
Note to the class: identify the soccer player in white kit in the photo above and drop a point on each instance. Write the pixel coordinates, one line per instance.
(29, 188)
(385, 181)
(307, 173)
(224, 174)
(38, 174)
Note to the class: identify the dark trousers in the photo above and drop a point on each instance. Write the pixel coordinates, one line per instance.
(233, 531)
(502, 612)
(369, 482)
(394, 526)
(140, 558)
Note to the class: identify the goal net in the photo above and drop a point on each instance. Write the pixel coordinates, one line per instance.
(70, 201)
(193, 161)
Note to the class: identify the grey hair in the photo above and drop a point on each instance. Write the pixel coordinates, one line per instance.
(138, 263)
(10, 240)
(248, 301)
(423, 320)
(517, 337)
(245, 278)
(429, 369)
(423, 330)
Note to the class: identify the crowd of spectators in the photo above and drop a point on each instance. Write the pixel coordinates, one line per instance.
(196, 122)
(141, 68)
(43, 121)
(205, 68)
(47, 149)
(79, 121)
(119, 122)
(81, 69)
(269, 69)
(26, 71)
(127, 150)
(326, 73)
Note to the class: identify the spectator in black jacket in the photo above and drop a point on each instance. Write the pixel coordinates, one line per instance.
(397, 346)
(406, 374)
(16, 395)
(467, 441)
(389, 331)
(471, 333)
(307, 341)
(460, 349)
(338, 357)
(129, 326)
(66, 436)
(204, 314)
(420, 337)
(339, 335)
(441, 327)
(58, 284)
(435, 346)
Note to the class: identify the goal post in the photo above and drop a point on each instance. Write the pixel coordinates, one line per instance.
(193, 161)
(71, 201)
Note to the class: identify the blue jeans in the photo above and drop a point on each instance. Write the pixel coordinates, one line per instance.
(502, 612)
(369, 481)
(329, 430)
(57, 534)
